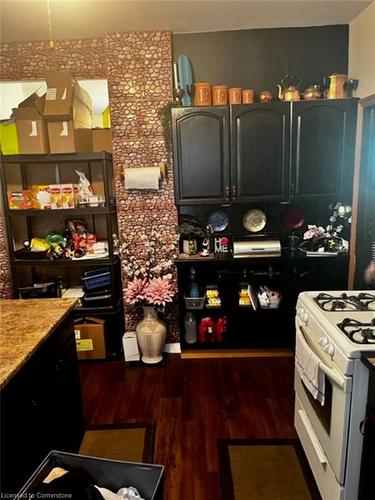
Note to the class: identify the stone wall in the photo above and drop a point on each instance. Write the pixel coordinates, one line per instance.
(138, 67)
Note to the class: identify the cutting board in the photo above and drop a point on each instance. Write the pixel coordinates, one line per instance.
(185, 78)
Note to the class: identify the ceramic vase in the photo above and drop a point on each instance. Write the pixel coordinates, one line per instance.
(151, 333)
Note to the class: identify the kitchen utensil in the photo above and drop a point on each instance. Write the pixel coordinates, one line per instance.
(247, 96)
(219, 95)
(311, 93)
(235, 95)
(185, 79)
(265, 96)
(336, 86)
(288, 88)
(202, 94)
(254, 220)
(218, 221)
(294, 217)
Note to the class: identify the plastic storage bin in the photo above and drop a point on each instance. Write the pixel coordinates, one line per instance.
(111, 474)
(194, 302)
(98, 278)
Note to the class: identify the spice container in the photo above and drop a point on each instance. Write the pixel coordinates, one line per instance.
(247, 96)
(234, 94)
(202, 94)
(219, 95)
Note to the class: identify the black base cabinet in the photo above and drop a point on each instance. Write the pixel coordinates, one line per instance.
(246, 327)
(41, 409)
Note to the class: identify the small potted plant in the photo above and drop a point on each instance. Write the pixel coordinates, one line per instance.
(190, 230)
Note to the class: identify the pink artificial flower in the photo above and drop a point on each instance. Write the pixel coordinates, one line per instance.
(311, 232)
(159, 291)
(135, 291)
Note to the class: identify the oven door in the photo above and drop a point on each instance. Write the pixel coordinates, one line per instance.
(327, 425)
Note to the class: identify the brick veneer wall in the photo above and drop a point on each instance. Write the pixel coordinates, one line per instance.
(137, 66)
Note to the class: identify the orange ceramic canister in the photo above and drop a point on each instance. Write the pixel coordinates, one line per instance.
(202, 94)
(234, 95)
(247, 96)
(219, 95)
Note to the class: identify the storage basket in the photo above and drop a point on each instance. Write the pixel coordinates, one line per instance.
(98, 278)
(194, 302)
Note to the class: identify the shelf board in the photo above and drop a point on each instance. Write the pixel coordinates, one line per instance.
(223, 352)
(64, 262)
(55, 157)
(63, 211)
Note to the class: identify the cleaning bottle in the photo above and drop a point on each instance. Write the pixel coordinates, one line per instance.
(190, 328)
(194, 288)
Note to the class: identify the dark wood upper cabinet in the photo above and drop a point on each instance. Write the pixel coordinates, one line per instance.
(201, 155)
(323, 138)
(279, 151)
(260, 136)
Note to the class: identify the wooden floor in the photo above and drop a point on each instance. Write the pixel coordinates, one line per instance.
(194, 402)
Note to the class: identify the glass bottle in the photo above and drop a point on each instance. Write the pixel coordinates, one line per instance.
(193, 288)
(190, 328)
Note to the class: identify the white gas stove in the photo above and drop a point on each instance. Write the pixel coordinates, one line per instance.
(336, 327)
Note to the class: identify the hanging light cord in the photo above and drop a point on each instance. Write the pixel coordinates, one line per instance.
(51, 40)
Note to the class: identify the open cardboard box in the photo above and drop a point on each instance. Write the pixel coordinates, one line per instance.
(90, 339)
(31, 127)
(111, 474)
(101, 140)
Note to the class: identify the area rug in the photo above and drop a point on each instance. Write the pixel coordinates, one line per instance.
(126, 442)
(265, 470)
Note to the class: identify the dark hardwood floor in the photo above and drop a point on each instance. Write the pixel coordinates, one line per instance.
(194, 403)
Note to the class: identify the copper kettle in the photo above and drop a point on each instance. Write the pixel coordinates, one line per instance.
(288, 91)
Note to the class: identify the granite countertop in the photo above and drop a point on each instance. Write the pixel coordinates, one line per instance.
(24, 326)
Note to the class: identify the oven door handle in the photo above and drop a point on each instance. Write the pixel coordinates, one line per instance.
(342, 382)
(314, 440)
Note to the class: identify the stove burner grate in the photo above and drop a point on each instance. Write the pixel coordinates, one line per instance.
(358, 332)
(361, 302)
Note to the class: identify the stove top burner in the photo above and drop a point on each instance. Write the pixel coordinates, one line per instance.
(358, 332)
(344, 302)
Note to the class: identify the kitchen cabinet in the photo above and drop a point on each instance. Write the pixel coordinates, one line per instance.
(279, 151)
(323, 138)
(260, 151)
(201, 155)
(41, 408)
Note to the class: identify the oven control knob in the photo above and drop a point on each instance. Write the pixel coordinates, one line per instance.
(323, 341)
(300, 311)
(305, 317)
(330, 350)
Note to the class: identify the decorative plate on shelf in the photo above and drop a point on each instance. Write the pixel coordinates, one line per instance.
(218, 221)
(254, 220)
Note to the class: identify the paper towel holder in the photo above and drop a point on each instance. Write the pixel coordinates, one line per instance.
(163, 171)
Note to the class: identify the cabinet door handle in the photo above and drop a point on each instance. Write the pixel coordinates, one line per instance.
(227, 193)
(234, 192)
(362, 426)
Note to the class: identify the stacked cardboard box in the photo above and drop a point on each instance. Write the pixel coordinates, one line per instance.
(68, 112)
(102, 140)
(31, 127)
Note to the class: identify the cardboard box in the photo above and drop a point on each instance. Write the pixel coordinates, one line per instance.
(42, 196)
(31, 131)
(90, 339)
(21, 200)
(64, 138)
(55, 196)
(130, 346)
(9, 138)
(67, 195)
(101, 140)
(66, 100)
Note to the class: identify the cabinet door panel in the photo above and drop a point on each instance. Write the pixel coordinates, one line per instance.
(323, 147)
(260, 151)
(201, 155)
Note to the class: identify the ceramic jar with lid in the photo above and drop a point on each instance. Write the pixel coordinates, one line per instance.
(219, 95)
(235, 96)
(202, 94)
(247, 96)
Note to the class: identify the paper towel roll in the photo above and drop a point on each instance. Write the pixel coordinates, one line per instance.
(142, 178)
